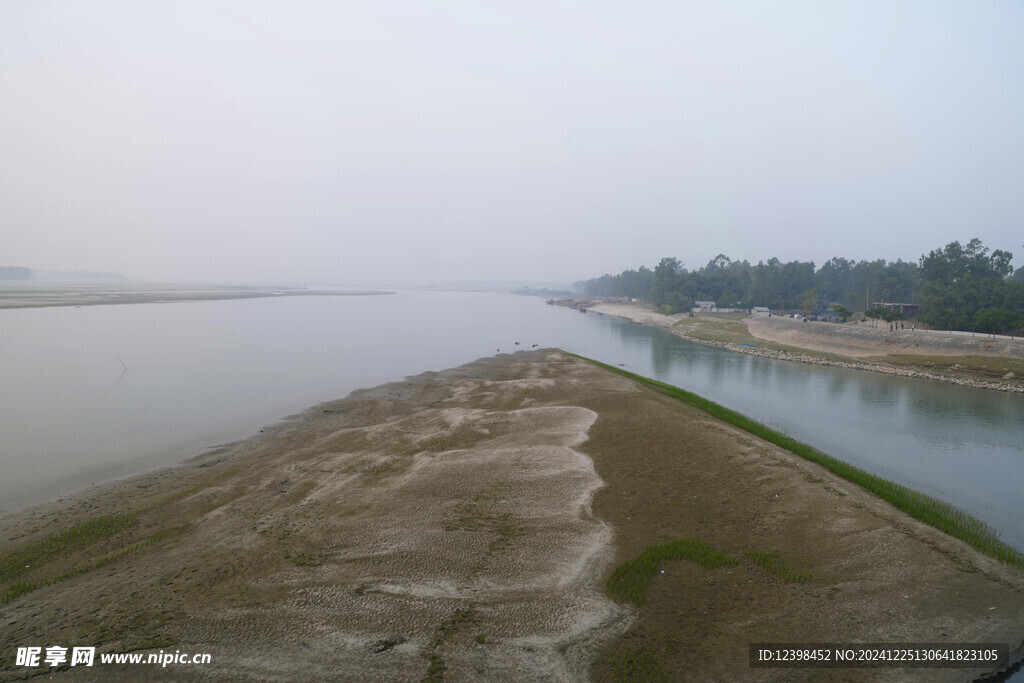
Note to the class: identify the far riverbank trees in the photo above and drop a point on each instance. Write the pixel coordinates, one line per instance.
(965, 287)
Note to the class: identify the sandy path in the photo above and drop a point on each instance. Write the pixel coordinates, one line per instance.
(637, 314)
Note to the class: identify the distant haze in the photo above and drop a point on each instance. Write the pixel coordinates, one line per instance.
(409, 142)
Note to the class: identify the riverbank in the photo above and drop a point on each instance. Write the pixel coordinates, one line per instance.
(463, 524)
(45, 294)
(957, 360)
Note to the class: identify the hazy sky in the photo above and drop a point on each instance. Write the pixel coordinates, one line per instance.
(420, 142)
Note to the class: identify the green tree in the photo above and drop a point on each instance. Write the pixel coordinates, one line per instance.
(669, 281)
(834, 280)
(842, 311)
(809, 302)
(967, 287)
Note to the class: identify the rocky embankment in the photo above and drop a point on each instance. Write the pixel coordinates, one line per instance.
(855, 365)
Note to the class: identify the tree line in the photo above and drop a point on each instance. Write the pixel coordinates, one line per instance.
(15, 273)
(962, 287)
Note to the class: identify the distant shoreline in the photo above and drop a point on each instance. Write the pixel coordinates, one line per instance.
(90, 294)
(808, 354)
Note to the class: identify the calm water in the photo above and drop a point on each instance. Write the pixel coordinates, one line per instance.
(205, 373)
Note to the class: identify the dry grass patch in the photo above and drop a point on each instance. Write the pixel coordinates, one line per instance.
(989, 367)
(731, 328)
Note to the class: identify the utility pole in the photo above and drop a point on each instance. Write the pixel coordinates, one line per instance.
(866, 296)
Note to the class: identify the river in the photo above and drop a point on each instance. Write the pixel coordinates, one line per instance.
(95, 393)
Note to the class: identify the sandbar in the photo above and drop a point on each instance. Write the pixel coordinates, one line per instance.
(461, 525)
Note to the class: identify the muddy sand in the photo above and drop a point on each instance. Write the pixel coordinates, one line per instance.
(461, 526)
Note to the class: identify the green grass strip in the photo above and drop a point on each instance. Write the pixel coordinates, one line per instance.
(639, 665)
(20, 588)
(35, 554)
(629, 580)
(931, 511)
(38, 553)
(788, 569)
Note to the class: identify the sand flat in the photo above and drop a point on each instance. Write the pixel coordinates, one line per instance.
(462, 525)
(46, 294)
